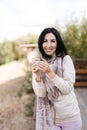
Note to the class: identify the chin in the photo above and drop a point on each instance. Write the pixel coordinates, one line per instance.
(49, 53)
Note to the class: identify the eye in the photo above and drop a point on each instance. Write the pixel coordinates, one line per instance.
(53, 41)
(45, 40)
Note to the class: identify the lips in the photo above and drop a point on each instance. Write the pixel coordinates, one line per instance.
(48, 50)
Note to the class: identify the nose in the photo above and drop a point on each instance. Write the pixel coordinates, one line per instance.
(49, 44)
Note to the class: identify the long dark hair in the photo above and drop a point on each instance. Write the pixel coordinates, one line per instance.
(60, 50)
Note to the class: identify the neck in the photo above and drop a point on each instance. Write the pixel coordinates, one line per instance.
(51, 59)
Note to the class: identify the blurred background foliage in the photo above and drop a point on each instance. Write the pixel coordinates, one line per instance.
(11, 50)
(74, 35)
(75, 38)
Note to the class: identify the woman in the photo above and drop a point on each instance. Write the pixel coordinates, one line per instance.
(53, 78)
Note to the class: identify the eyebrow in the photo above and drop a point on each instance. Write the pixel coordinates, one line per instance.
(50, 39)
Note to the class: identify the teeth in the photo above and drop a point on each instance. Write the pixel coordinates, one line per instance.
(48, 50)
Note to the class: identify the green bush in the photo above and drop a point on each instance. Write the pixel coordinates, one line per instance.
(28, 83)
(29, 108)
(75, 39)
(27, 89)
(9, 51)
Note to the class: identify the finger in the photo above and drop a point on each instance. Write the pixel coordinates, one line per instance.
(43, 64)
(33, 66)
(44, 67)
(43, 60)
(35, 69)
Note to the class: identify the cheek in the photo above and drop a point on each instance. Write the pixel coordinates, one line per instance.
(55, 46)
(44, 46)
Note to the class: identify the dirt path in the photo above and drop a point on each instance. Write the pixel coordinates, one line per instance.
(12, 107)
(81, 93)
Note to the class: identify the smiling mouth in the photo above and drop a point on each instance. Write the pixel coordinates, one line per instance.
(48, 50)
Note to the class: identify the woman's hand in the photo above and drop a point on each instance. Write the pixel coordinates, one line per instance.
(36, 71)
(44, 66)
(40, 65)
(35, 68)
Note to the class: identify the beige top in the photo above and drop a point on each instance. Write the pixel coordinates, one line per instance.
(66, 106)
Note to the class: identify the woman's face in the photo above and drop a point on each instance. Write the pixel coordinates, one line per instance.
(49, 44)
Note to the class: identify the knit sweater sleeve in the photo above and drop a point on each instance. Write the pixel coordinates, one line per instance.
(38, 87)
(65, 83)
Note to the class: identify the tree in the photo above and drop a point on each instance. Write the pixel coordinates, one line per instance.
(75, 38)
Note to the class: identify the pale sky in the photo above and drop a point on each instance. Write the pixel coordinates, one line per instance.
(20, 17)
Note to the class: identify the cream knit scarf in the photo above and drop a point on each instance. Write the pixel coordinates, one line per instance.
(43, 113)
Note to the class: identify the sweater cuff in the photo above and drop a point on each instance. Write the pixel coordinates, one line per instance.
(39, 84)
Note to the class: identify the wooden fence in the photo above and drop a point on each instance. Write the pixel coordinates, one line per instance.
(81, 72)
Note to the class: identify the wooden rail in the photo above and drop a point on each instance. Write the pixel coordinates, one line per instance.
(81, 77)
(81, 72)
(28, 45)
